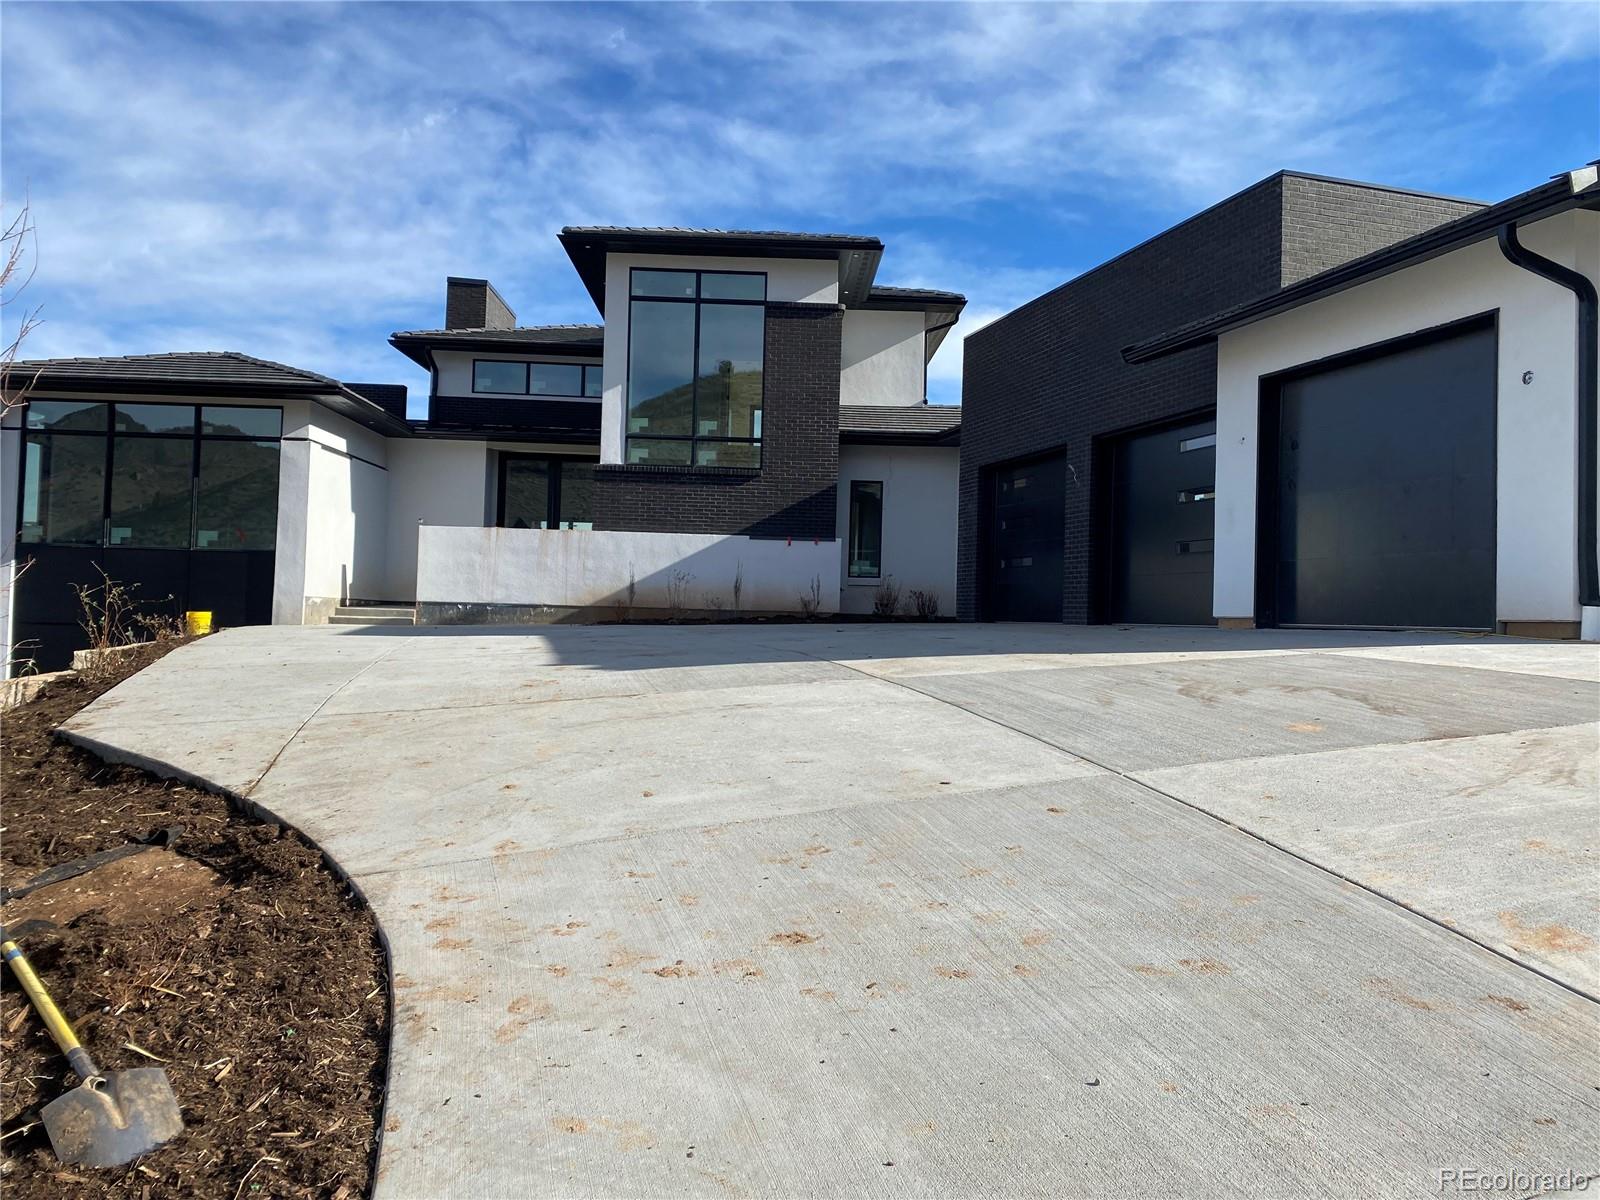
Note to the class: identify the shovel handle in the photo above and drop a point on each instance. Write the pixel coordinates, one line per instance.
(60, 1028)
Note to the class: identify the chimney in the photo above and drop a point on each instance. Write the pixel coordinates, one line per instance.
(474, 304)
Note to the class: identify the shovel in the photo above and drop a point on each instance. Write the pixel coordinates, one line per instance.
(111, 1118)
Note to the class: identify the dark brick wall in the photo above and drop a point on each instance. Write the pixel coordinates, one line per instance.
(794, 492)
(391, 397)
(1327, 222)
(1049, 376)
(523, 414)
(474, 304)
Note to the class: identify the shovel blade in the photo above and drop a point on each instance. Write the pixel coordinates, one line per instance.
(111, 1121)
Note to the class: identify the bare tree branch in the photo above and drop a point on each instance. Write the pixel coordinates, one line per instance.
(19, 259)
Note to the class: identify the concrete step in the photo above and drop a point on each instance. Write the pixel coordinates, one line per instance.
(373, 614)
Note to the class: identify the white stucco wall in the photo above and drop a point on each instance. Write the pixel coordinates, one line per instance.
(430, 483)
(455, 370)
(882, 358)
(333, 500)
(10, 465)
(589, 568)
(1536, 462)
(809, 281)
(919, 521)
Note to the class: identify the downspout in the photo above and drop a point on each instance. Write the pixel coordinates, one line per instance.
(1588, 400)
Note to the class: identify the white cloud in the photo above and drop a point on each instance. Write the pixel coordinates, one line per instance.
(296, 181)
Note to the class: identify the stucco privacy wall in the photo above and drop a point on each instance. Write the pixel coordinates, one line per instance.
(333, 497)
(795, 280)
(578, 569)
(882, 355)
(430, 483)
(443, 482)
(1536, 458)
(455, 367)
(920, 493)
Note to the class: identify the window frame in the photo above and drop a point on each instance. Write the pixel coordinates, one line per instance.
(692, 439)
(850, 530)
(527, 366)
(557, 464)
(109, 435)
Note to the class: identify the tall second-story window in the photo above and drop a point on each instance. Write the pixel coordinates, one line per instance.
(696, 349)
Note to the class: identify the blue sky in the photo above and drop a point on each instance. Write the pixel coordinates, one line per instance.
(296, 182)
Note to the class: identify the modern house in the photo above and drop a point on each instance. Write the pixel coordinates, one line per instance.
(746, 429)
(1317, 403)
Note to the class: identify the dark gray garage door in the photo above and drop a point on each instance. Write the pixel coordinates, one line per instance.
(1163, 494)
(1385, 489)
(1026, 528)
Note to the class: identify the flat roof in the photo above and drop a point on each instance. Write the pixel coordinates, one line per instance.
(1573, 189)
(588, 245)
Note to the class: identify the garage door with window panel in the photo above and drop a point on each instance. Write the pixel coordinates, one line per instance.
(176, 503)
(1380, 511)
(1162, 498)
(1025, 540)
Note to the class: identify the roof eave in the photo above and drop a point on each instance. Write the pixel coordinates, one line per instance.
(416, 347)
(860, 437)
(336, 399)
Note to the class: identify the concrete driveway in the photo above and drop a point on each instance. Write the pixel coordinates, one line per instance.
(941, 910)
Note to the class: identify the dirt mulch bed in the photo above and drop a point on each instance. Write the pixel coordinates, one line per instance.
(235, 958)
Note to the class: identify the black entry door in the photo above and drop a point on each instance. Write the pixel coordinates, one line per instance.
(1385, 489)
(1163, 496)
(1027, 522)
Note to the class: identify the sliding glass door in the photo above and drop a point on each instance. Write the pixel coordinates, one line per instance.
(539, 491)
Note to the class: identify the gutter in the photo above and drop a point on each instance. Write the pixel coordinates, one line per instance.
(1588, 400)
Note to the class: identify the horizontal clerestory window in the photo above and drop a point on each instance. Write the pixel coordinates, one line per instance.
(696, 359)
(150, 476)
(495, 377)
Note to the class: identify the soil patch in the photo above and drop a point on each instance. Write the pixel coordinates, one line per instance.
(226, 950)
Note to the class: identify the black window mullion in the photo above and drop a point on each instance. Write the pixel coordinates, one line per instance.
(105, 482)
(194, 484)
(553, 493)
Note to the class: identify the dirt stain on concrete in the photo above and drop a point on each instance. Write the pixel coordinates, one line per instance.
(1506, 1002)
(1544, 939)
(677, 970)
(794, 937)
(452, 943)
(1151, 970)
(1205, 966)
(1390, 990)
(1037, 938)
(952, 973)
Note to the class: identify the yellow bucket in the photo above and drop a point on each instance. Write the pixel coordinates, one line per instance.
(199, 623)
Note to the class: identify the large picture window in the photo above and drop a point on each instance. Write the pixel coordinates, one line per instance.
(150, 476)
(696, 355)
